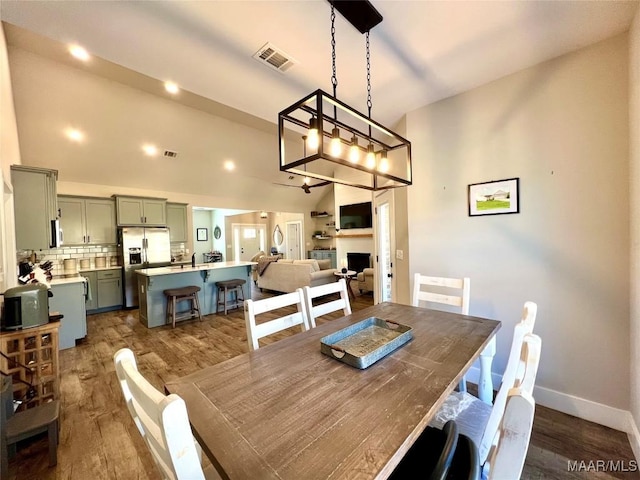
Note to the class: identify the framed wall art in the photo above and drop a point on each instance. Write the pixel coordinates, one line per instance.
(202, 235)
(494, 198)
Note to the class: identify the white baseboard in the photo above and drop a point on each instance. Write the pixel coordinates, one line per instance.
(611, 417)
(634, 437)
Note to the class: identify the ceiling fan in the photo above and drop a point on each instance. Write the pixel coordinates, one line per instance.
(305, 186)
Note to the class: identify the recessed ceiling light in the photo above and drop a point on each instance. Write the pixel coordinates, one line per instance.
(150, 150)
(229, 165)
(79, 52)
(74, 134)
(171, 87)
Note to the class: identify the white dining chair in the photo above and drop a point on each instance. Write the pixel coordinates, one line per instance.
(472, 415)
(253, 308)
(509, 451)
(320, 309)
(454, 292)
(163, 423)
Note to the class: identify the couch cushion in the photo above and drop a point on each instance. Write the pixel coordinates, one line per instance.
(313, 262)
(324, 264)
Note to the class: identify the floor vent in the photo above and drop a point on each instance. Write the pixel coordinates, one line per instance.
(275, 58)
(170, 154)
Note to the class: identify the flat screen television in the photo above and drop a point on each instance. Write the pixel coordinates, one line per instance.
(356, 215)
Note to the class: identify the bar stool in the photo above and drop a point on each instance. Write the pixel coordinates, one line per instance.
(226, 287)
(174, 295)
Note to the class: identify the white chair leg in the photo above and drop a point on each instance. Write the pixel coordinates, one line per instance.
(485, 383)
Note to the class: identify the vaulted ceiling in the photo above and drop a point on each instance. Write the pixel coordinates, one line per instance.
(422, 51)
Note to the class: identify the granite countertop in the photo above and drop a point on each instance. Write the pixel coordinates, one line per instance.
(152, 272)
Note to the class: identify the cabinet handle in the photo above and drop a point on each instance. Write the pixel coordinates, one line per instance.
(88, 238)
(145, 219)
(84, 239)
(141, 219)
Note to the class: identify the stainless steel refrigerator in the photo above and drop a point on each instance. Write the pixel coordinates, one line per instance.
(141, 248)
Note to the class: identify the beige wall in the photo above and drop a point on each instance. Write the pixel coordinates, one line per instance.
(634, 180)
(9, 155)
(562, 128)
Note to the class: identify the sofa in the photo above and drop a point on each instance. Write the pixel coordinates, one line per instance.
(365, 280)
(288, 275)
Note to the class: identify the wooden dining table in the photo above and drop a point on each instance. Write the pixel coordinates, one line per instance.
(288, 411)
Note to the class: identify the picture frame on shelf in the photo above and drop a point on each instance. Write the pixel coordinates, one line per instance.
(496, 197)
(202, 234)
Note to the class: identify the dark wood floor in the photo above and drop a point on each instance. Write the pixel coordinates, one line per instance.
(98, 439)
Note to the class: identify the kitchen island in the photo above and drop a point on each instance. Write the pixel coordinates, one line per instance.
(153, 281)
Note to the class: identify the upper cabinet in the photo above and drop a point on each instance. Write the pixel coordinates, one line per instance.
(139, 211)
(177, 221)
(35, 207)
(87, 221)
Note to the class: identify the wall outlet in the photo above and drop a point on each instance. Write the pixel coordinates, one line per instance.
(186, 250)
(399, 254)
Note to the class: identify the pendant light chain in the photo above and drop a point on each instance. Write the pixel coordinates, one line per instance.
(369, 103)
(334, 78)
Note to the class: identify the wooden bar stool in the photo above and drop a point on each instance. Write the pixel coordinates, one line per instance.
(174, 295)
(233, 287)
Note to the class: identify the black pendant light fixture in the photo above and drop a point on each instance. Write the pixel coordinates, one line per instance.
(343, 145)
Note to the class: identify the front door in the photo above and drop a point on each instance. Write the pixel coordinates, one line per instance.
(248, 240)
(385, 287)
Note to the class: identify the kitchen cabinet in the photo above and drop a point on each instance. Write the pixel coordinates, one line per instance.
(35, 207)
(177, 221)
(140, 211)
(69, 299)
(87, 221)
(105, 287)
(109, 288)
(325, 255)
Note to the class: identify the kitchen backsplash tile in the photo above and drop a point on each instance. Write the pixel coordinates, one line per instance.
(57, 255)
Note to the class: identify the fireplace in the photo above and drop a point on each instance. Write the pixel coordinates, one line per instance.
(358, 261)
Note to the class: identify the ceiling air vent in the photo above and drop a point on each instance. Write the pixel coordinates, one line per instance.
(275, 58)
(170, 154)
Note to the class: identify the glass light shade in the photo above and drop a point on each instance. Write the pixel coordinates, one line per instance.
(312, 135)
(354, 151)
(384, 162)
(371, 157)
(336, 144)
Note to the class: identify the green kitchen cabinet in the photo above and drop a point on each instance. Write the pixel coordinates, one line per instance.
(177, 221)
(109, 288)
(104, 290)
(35, 206)
(69, 300)
(140, 211)
(87, 221)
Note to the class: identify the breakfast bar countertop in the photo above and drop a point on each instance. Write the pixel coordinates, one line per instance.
(173, 269)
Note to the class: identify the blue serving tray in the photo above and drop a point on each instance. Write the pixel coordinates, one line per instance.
(364, 343)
